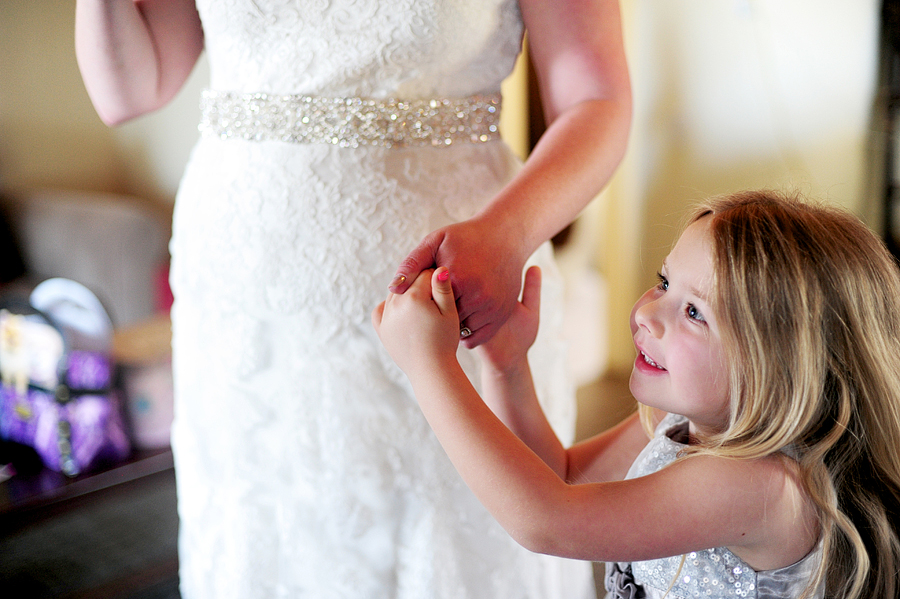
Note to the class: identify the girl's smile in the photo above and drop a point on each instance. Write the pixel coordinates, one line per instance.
(643, 361)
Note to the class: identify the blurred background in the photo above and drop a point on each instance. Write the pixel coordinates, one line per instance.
(728, 94)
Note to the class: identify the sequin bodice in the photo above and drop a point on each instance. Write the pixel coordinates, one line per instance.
(714, 572)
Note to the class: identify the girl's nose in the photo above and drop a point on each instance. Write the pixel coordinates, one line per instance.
(646, 315)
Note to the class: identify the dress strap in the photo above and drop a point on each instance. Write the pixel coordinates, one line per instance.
(350, 122)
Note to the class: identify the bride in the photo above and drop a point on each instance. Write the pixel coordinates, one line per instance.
(347, 145)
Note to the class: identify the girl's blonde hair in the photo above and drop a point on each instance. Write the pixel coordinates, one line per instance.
(808, 301)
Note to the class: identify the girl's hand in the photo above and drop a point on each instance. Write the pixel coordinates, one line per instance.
(420, 328)
(509, 347)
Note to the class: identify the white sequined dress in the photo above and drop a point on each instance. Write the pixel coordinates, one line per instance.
(304, 466)
(714, 572)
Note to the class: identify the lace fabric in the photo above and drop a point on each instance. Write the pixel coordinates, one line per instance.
(305, 468)
(360, 48)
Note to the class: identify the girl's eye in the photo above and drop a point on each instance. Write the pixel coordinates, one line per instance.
(663, 284)
(693, 313)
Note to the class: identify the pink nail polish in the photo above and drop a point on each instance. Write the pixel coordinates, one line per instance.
(444, 275)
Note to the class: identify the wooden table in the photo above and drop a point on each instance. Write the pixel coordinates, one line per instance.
(25, 499)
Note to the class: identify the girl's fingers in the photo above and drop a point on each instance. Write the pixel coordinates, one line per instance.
(377, 315)
(531, 289)
(442, 290)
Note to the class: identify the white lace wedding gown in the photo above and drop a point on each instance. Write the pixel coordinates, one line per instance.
(304, 466)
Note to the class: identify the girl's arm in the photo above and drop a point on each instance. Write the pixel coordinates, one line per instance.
(507, 385)
(604, 457)
(508, 389)
(756, 508)
(578, 55)
(134, 55)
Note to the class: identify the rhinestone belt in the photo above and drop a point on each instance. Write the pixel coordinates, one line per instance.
(350, 122)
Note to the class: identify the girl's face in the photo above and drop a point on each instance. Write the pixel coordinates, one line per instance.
(680, 366)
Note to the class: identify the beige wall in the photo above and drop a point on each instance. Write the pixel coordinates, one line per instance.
(731, 94)
(50, 135)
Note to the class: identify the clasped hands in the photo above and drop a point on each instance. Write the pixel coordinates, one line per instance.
(420, 328)
(485, 262)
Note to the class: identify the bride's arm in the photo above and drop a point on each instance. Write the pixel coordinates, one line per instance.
(579, 59)
(577, 51)
(135, 55)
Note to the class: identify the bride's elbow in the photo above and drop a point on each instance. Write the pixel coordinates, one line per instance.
(114, 114)
(118, 104)
(115, 111)
(113, 118)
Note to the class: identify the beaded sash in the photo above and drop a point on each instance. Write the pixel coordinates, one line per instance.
(350, 122)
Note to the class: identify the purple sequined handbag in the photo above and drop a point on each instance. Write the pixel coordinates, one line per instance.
(56, 394)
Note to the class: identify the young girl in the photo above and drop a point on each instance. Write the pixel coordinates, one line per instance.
(768, 365)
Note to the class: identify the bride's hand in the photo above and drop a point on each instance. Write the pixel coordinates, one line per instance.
(486, 263)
